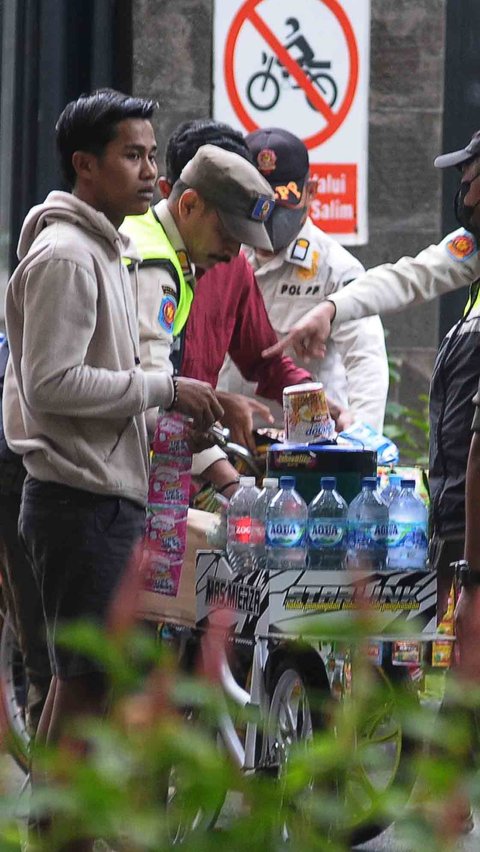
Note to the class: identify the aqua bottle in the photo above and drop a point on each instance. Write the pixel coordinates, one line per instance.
(286, 528)
(327, 528)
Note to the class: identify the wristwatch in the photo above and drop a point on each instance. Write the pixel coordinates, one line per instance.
(464, 575)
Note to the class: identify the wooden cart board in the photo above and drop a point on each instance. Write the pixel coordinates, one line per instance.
(181, 608)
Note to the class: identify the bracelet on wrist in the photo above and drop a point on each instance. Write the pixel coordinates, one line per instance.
(227, 485)
(175, 394)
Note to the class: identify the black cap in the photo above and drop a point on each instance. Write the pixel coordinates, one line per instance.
(456, 158)
(282, 159)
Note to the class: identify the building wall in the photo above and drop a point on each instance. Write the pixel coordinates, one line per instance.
(173, 63)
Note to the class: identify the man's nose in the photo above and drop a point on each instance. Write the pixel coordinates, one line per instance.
(150, 169)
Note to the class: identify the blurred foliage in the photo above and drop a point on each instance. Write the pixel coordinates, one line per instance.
(407, 427)
(359, 767)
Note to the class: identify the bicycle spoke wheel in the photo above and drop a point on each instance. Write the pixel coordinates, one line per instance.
(380, 753)
(382, 760)
(13, 695)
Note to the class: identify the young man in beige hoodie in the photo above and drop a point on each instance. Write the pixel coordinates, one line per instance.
(75, 394)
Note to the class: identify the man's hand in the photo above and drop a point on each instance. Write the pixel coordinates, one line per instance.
(309, 335)
(342, 417)
(238, 416)
(467, 632)
(198, 400)
(344, 420)
(199, 441)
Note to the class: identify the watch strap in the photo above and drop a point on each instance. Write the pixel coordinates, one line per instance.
(465, 575)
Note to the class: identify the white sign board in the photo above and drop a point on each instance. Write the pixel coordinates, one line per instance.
(303, 66)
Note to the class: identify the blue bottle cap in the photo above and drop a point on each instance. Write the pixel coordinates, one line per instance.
(287, 482)
(369, 482)
(328, 483)
(394, 479)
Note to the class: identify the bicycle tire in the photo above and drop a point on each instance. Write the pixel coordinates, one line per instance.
(292, 673)
(13, 694)
(252, 84)
(328, 88)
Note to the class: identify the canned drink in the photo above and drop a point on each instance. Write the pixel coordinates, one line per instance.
(306, 415)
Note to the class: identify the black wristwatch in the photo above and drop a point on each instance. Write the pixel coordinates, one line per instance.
(464, 575)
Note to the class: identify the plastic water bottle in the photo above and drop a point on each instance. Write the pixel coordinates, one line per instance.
(327, 527)
(367, 521)
(392, 489)
(286, 528)
(407, 530)
(259, 512)
(240, 541)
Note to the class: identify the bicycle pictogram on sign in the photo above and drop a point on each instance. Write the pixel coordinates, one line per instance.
(271, 64)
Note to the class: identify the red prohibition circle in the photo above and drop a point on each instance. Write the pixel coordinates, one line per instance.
(247, 13)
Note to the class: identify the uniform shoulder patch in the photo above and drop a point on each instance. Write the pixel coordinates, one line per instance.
(461, 246)
(166, 314)
(312, 272)
(300, 249)
(184, 262)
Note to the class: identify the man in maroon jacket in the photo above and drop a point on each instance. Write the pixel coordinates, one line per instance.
(228, 314)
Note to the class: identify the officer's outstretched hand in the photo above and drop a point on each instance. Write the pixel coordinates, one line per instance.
(198, 400)
(309, 335)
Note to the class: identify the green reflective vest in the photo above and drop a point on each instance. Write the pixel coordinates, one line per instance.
(155, 249)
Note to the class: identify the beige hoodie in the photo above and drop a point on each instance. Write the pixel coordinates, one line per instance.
(74, 394)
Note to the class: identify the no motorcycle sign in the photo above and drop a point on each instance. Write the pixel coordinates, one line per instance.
(303, 66)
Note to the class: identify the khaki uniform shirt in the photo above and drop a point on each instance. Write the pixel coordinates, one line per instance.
(355, 370)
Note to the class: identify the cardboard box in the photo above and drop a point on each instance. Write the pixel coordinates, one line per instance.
(309, 462)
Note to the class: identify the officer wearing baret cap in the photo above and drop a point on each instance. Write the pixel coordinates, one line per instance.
(219, 202)
(304, 267)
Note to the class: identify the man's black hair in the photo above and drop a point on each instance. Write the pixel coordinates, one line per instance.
(90, 123)
(189, 136)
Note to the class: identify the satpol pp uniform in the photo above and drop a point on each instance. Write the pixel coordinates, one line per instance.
(354, 370)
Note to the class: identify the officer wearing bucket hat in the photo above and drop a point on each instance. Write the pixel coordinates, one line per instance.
(305, 266)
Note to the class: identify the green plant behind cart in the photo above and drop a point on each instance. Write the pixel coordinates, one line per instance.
(409, 428)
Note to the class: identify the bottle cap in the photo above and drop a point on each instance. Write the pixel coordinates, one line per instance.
(287, 482)
(369, 482)
(408, 483)
(394, 479)
(270, 482)
(328, 483)
(246, 481)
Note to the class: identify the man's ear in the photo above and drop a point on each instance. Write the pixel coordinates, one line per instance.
(83, 162)
(190, 204)
(164, 186)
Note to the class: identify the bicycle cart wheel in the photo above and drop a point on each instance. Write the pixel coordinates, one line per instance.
(263, 91)
(383, 758)
(327, 87)
(382, 751)
(13, 695)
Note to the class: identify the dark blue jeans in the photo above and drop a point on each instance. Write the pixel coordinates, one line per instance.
(79, 545)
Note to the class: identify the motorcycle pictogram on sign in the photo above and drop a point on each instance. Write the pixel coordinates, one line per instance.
(264, 87)
(289, 64)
